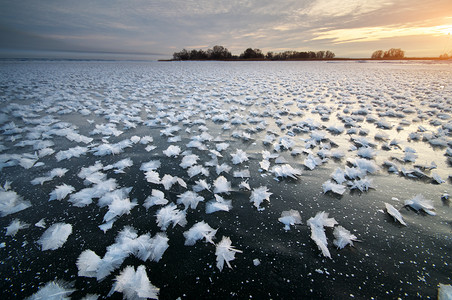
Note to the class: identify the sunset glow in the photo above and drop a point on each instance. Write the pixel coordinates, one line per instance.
(339, 36)
(445, 29)
(349, 28)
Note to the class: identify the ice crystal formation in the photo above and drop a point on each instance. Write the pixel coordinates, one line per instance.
(116, 174)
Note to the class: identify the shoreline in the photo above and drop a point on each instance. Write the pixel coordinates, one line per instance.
(27, 59)
(329, 59)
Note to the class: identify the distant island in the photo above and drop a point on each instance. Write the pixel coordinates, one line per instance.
(222, 53)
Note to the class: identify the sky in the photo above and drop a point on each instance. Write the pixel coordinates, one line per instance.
(158, 28)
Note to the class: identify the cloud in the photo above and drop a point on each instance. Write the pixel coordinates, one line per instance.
(17, 39)
(367, 34)
(340, 8)
(165, 25)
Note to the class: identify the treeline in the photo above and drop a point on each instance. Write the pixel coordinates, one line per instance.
(393, 53)
(217, 53)
(222, 53)
(287, 55)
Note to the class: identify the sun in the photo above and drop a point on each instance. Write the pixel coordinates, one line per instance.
(445, 29)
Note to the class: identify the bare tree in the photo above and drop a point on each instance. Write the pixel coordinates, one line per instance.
(377, 54)
(182, 55)
(219, 52)
(329, 54)
(394, 53)
(252, 53)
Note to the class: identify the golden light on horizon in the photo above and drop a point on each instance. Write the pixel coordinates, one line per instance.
(443, 29)
(341, 36)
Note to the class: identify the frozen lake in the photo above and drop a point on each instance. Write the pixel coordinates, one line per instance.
(122, 178)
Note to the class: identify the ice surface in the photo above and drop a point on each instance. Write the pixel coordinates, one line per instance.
(418, 202)
(343, 237)
(189, 160)
(167, 181)
(72, 152)
(54, 290)
(152, 177)
(264, 164)
(41, 223)
(258, 195)
(109, 149)
(85, 196)
(106, 129)
(57, 172)
(170, 214)
(55, 236)
(395, 213)
(333, 187)
(95, 177)
(87, 171)
(225, 252)
(196, 170)
(150, 165)
(339, 176)
(172, 151)
(200, 230)
(239, 157)
(119, 166)
(437, 178)
(222, 168)
(11, 202)
(157, 198)
(221, 185)
(363, 184)
(364, 165)
(126, 243)
(286, 170)
(189, 199)
(201, 185)
(290, 217)
(444, 291)
(107, 198)
(119, 207)
(245, 185)
(311, 162)
(366, 152)
(91, 297)
(245, 173)
(80, 131)
(317, 225)
(88, 263)
(135, 284)
(222, 146)
(218, 204)
(157, 246)
(60, 192)
(15, 226)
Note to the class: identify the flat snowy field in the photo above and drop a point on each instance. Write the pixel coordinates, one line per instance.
(281, 180)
